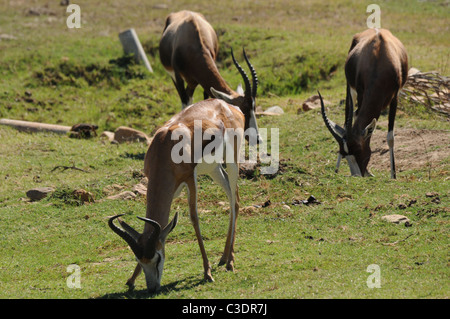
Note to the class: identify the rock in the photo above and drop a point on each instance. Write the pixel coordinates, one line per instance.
(397, 219)
(274, 110)
(127, 134)
(83, 195)
(431, 194)
(5, 36)
(112, 188)
(312, 103)
(144, 181)
(108, 135)
(39, 193)
(127, 195)
(140, 189)
(247, 170)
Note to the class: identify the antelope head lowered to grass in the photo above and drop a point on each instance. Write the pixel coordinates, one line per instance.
(376, 69)
(168, 174)
(188, 50)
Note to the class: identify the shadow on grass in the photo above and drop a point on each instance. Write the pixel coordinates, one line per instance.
(179, 285)
(139, 156)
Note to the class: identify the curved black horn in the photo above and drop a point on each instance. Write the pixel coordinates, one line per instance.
(254, 75)
(137, 250)
(150, 246)
(248, 88)
(348, 112)
(335, 130)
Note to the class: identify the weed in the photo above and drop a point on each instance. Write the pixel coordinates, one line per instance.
(116, 72)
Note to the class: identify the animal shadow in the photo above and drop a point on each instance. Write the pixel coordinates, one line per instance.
(179, 285)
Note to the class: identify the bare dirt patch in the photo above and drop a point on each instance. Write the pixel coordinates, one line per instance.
(414, 149)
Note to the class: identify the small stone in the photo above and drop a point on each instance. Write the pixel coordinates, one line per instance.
(312, 103)
(247, 170)
(274, 110)
(140, 189)
(127, 195)
(431, 194)
(108, 135)
(127, 134)
(397, 219)
(7, 37)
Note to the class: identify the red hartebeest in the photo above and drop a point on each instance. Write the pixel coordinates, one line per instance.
(168, 174)
(188, 50)
(376, 69)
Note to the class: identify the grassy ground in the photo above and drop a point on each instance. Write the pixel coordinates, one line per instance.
(53, 74)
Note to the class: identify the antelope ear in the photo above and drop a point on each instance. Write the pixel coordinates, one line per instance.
(240, 90)
(222, 96)
(170, 226)
(367, 132)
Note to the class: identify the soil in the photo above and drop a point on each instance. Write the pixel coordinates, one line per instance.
(413, 149)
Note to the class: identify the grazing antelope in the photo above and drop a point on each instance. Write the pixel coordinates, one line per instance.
(168, 175)
(376, 69)
(188, 50)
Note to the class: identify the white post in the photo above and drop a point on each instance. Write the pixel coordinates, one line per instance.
(132, 45)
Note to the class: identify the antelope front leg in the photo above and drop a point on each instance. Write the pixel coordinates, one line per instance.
(192, 187)
(132, 279)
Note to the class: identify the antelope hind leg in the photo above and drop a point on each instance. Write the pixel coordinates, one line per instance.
(192, 187)
(390, 135)
(228, 253)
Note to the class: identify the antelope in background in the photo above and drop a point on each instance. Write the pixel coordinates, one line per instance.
(188, 50)
(166, 179)
(376, 69)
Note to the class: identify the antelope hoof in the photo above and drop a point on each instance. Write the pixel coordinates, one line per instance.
(208, 277)
(230, 266)
(229, 263)
(368, 174)
(130, 285)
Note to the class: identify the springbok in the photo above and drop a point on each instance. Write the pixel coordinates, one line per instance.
(188, 50)
(376, 69)
(168, 175)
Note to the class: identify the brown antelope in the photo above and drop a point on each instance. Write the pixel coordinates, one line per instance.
(376, 69)
(168, 175)
(188, 50)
